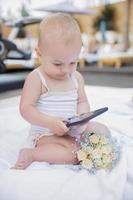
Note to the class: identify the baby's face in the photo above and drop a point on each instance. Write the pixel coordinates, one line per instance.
(59, 60)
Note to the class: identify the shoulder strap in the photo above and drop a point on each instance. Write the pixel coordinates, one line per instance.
(75, 81)
(42, 78)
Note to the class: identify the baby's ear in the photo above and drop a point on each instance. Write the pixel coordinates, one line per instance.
(38, 52)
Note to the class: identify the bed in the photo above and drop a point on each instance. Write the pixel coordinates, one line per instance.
(62, 182)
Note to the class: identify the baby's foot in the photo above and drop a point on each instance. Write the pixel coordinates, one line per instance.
(25, 159)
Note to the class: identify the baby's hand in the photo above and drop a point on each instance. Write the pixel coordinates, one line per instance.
(58, 126)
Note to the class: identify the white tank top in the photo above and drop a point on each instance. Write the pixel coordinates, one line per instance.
(59, 104)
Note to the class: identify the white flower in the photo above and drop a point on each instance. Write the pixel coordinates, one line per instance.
(106, 149)
(96, 153)
(89, 150)
(94, 139)
(98, 163)
(87, 163)
(81, 155)
(103, 140)
(106, 159)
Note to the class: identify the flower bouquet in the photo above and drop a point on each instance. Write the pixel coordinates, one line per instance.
(98, 152)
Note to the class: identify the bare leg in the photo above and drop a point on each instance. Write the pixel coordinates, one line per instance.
(57, 150)
(55, 153)
(98, 128)
(52, 149)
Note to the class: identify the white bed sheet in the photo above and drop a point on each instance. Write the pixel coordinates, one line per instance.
(61, 182)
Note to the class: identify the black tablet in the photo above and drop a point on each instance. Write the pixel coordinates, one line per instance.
(81, 119)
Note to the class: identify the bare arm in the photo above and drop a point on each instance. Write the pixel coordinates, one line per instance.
(83, 104)
(31, 92)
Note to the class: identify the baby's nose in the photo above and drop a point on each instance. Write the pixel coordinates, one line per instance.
(65, 69)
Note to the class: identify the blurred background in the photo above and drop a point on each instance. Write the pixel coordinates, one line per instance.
(106, 57)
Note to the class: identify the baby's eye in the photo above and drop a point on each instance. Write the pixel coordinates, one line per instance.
(73, 63)
(57, 64)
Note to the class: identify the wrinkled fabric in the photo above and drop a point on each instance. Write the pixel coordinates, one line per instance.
(44, 181)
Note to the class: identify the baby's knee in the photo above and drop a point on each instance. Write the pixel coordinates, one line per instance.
(98, 128)
(73, 158)
(73, 154)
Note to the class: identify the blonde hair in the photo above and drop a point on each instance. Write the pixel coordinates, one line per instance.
(58, 27)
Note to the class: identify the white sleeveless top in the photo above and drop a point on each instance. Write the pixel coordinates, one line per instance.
(59, 104)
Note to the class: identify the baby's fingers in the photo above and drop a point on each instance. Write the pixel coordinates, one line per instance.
(65, 128)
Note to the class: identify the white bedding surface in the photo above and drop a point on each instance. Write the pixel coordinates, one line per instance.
(60, 182)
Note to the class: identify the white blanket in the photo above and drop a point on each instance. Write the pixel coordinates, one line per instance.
(62, 182)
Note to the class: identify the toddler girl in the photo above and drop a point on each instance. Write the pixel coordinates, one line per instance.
(54, 92)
